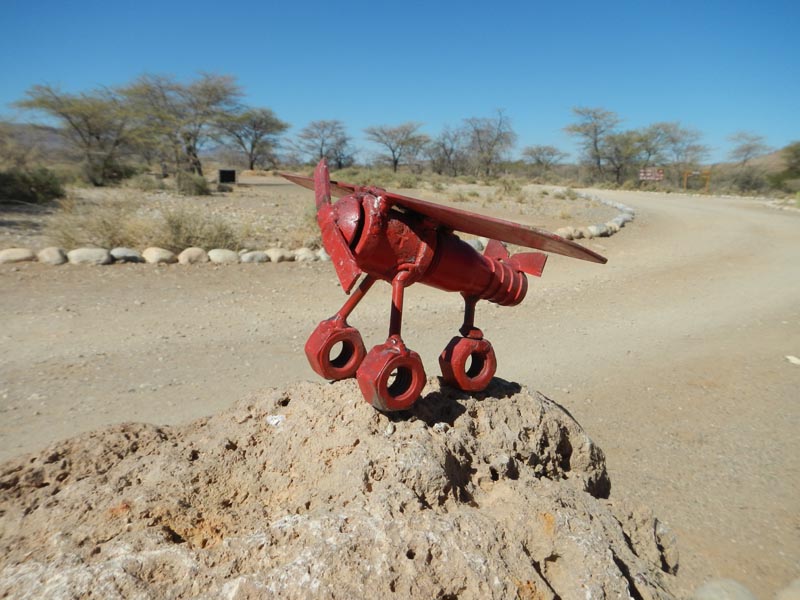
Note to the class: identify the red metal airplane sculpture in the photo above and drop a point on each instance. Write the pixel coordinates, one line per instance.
(403, 241)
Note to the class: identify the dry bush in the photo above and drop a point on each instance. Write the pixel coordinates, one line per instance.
(109, 224)
(182, 228)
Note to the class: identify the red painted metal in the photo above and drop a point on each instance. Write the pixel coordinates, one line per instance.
(404, 241)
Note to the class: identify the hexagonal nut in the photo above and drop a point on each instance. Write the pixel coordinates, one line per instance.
(482, 361)
(325, 339)
(391, 377)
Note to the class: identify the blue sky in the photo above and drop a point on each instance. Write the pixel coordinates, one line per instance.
(719, 67)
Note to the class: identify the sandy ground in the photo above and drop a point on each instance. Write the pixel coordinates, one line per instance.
(672, 357)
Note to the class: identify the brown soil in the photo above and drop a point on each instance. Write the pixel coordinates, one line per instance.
(671, 356)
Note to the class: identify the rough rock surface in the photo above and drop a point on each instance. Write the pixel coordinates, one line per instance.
(309, 492)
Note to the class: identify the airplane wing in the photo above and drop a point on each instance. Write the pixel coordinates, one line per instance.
(468, 222)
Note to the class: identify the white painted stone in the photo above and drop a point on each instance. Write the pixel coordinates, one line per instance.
(255, 256)
(15, 255)
(155, 255)
(279, 255)
(89, 256)
(566, 232)
(223, 256)
(305, 255)
(123, 254)
(52, 256)
(323, 255)
(192, 256)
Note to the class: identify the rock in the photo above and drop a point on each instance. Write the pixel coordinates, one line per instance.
(305, 255)
(323, 255)
(155, 255)
(193, 255)
(279, 255)
(255, 256)
(582, 232)
(89, 256)
(790, 592)
(612, 227)
(52, 256)
(15, 255)
(566, 232)
(221, 256)
(722, 589)
(597, 231)
(508, 500)
(127, 255)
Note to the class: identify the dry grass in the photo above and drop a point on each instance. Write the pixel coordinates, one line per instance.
(126, 223)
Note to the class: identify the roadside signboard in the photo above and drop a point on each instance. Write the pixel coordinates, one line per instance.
(651, 174)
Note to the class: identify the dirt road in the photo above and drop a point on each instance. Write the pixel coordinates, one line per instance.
(672, 356)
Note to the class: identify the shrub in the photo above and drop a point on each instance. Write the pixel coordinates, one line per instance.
(407, 180)
(35, 186)
(146, 182)
(190, 184)
(112, 224)
(183, 228)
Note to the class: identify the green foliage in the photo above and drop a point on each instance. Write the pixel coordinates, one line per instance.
(191, 184)
(34, 186)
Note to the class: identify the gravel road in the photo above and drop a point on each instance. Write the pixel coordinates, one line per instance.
(672, 357)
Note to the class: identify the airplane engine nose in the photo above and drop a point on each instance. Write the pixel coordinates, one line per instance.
(348, 218)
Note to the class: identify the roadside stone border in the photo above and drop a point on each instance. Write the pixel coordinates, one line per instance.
(221, 256)
(626, 215)
(154, 255)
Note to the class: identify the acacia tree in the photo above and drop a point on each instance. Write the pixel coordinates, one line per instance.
(254, 131)
(402, 142)
(180, 118)
(620, 152)
(593, 125)
(543, 158)
(683, 149)
(98, 124)
(447, 152)
(490, 139)
(746, 147)
(325, 139)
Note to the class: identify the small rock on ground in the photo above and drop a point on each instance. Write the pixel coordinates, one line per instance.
(192, 256)
(89, 256)
(155, 255)
(221, 256)
(52, 256)
(279, 255)
(127, 255)
(255, 256)
(15, 255)
(305, 255)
